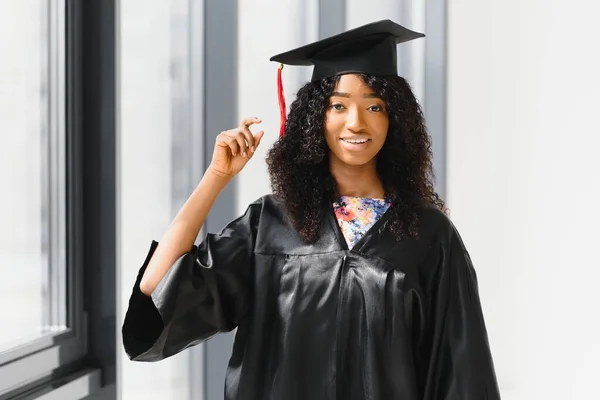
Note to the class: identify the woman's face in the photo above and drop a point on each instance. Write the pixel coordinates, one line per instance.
(356, 122)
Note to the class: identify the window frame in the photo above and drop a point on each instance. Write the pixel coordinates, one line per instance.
(39, 360)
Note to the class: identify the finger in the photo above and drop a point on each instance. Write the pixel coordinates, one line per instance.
(246, 122)
(241, 140)
(233, 145)
(258, 137)
(249, 138)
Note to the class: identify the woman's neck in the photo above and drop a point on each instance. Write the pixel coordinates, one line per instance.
(357, 181)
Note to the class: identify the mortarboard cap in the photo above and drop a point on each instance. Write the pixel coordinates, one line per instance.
(369, 49)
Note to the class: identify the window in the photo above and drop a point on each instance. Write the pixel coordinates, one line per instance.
(40, 299)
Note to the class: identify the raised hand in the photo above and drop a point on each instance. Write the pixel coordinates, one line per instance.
(234, 148)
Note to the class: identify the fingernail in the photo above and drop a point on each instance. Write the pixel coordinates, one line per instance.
(252, 149)
(244, 154)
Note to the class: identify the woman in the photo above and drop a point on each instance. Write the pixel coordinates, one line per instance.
(349, 282)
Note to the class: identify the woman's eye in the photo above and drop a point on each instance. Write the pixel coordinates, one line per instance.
(375, 108)
(337, 107)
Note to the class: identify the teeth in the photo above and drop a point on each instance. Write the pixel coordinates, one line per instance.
(355, 141)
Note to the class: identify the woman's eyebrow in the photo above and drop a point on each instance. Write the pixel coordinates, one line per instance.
(366, 96)
(340, 94)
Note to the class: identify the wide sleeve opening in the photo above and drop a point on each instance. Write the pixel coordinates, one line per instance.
(207, 291)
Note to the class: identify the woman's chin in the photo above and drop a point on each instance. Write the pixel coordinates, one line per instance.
(357, 161)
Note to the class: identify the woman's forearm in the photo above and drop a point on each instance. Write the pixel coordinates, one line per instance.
(181, 234)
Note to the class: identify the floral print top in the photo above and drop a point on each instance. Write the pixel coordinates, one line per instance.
(356, 215)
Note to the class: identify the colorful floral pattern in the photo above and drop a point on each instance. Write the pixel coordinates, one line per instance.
(356, 215)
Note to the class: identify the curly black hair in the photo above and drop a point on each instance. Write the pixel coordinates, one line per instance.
(298, 163)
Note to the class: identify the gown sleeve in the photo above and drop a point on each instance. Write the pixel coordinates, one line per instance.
(454, 357)
(206, 291)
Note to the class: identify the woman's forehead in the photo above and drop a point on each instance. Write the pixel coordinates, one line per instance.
(352, 84)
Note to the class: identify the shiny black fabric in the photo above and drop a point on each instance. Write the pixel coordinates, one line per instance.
(385, 320)
(368, 49)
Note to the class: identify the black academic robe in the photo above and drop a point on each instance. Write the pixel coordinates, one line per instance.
(385, 320)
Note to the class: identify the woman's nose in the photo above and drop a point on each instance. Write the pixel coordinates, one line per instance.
(354, 120)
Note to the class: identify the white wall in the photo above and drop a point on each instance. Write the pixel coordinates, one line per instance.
(267, 28)
(523, 158)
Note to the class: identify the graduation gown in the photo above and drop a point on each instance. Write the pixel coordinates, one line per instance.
(386, 319)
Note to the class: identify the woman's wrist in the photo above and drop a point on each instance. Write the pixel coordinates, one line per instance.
(215, 179)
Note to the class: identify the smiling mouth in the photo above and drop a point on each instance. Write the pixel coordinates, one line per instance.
(355, 141)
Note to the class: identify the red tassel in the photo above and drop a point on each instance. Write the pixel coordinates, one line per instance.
(281, 98)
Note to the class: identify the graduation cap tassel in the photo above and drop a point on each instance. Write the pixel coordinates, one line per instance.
(281, 98)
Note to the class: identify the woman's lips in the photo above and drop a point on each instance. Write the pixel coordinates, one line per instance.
(355, 144)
